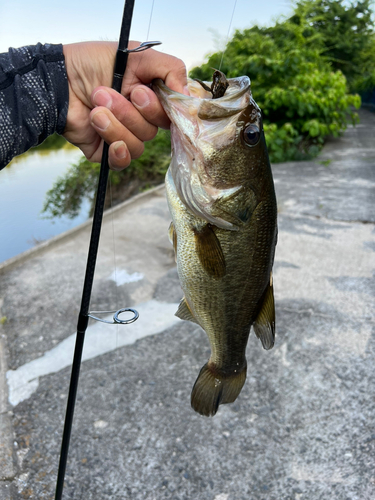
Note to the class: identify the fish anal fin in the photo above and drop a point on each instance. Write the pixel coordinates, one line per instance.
(264, 325)
(172, 235)
(212, 389)
(184, 312)
(209, 251)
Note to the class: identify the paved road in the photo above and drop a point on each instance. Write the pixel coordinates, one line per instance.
(304, 424)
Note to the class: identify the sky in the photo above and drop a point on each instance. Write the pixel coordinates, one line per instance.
(189, 29)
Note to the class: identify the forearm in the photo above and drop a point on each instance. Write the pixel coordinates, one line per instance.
(34, 98)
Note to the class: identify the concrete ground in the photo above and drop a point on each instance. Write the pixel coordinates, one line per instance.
(302, 428)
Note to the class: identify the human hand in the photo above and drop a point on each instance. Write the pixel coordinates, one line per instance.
(125, 121)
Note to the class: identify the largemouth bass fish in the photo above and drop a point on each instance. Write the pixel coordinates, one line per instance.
(222, 201)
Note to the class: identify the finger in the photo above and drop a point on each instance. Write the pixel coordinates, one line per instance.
(125, 112)
(111, 130)
(152, 64)
(118, 156)
(146, 102)
(177, 79)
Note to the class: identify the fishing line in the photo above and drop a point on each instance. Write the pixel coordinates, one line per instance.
(117, 301)
(113, 232)
(117, 381)
(147, 35)
(149, 23)
(110, 179)
(120, 66)
(110, 176)
(226, 41)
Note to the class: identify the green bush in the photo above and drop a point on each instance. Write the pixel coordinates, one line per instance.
(303, 99)
(80, 182)
(346, 30)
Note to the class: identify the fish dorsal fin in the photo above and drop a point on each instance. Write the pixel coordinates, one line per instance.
(264, 325)
(184, 312)
(172, 235)
(209, 251)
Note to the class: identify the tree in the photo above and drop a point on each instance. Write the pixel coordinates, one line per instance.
(346, 31)
(79, 183)
(303, 98)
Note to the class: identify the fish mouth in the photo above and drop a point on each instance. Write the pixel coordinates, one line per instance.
(202, 126)
(233, 102)
(240, 84)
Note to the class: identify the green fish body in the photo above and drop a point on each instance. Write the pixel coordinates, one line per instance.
(222, 201)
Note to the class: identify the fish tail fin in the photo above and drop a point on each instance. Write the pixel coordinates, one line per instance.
(212, 389)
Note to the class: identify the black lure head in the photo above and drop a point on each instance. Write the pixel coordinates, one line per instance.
(219, 84)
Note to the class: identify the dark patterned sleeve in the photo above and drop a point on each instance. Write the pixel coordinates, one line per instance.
(34, 97)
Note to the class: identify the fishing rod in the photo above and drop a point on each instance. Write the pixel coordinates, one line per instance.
(121, 60)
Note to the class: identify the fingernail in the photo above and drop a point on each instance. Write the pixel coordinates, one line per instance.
(120, 150)
(140, 98)
(102, 98)
(100, 120)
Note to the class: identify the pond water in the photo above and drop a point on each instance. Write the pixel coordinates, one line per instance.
(23, 187)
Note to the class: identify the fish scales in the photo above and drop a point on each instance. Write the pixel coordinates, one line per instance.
(222, 201)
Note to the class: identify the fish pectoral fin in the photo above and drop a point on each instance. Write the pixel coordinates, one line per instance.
(209, 251)
(264, 325)
(243, 198)
(224, 215)
(184, 312)
(218, 208)
(172, 235)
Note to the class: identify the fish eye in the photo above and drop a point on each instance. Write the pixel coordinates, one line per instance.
(251, 135)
